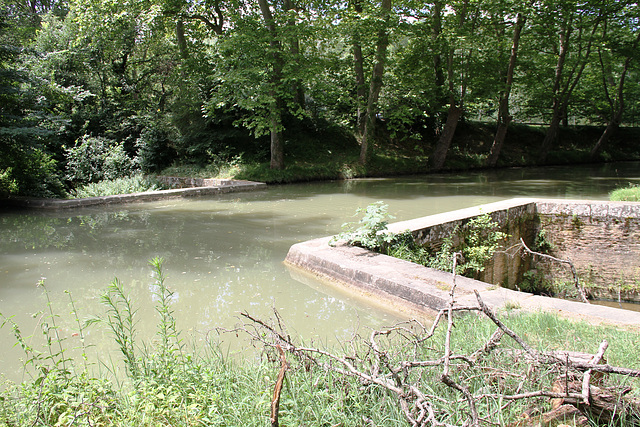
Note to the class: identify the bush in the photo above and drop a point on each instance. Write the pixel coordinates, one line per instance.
(96, 159)
(8, 184)
(475, 242)
(28, 171)
(155, 150)
(135, 184)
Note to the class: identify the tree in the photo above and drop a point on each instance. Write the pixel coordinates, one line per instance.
(275, 107)
(623, 47)
(504, 118)
(578, 24)
(462, 28)
(375, 85)
(27, 166)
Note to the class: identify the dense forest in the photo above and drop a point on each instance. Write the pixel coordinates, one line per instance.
(96, 89)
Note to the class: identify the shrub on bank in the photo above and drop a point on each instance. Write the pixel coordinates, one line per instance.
(133, 184)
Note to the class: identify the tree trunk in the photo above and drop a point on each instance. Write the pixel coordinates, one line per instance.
(297, 89)
(562, 97)
(182, 42)
(444, 142)
(616, 118)
(436, 35)
(277, 146)
(503, 112)
(552, 130)
(277, 143)
(358, 65)
(376, 84)
(456, 111)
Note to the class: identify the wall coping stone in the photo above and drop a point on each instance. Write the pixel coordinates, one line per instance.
(416, 291)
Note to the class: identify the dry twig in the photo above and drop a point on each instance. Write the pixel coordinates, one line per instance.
(576, 280)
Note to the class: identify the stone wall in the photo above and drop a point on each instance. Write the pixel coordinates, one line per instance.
(515, 217)
(602, 240)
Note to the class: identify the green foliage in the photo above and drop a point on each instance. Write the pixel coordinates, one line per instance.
(628, 194)
(370, 231)
(542, 244)
(33, 172)
(155, 150)
(8, 184)
(123, 72)
(222, 165)
(481, 239)
(96, 159)
(137, 183)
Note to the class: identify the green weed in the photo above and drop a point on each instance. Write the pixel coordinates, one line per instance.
(476, 241)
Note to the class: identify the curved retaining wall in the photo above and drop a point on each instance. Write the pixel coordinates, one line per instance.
(416, 291)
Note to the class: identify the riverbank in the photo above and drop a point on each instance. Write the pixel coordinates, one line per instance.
(330, 155)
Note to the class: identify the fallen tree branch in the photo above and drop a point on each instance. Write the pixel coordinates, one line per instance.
(275, 401)
(586, 379)
(395, 358)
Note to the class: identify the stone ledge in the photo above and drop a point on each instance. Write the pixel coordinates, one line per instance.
(228, 187)
(416, 291)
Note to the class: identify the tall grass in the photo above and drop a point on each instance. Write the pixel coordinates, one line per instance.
(170, 381)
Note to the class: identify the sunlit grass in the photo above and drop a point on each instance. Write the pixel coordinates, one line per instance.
(628, 194)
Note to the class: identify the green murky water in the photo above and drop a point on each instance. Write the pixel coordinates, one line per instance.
(224, 254)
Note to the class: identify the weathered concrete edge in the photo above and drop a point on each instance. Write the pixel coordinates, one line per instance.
(150, 196)
(416, 291)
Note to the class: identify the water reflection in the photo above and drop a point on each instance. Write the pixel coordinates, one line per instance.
(224, 254)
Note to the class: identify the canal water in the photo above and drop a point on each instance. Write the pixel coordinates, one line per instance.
(223, 254)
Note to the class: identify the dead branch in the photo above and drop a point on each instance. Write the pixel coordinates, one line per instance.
(489, 313)
(586, 379)
(275, 402)
(392, 365)
(445, 378)
(576, 280)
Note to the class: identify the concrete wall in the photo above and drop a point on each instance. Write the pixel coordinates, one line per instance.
(225, 186)
(415, 291)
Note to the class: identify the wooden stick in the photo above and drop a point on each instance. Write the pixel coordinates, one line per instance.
(586, 379)
(275, 402)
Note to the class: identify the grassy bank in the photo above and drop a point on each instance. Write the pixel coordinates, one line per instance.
(171, 381)
(627, 194)
(333, 154)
